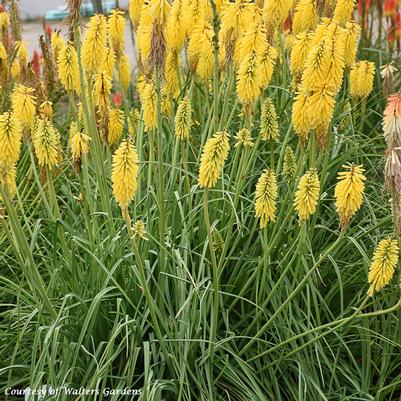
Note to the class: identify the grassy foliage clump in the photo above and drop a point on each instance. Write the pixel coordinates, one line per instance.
(201, 226)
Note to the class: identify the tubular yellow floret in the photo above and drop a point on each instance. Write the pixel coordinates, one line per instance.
(124, 173)
(214, 154)
(266, 197)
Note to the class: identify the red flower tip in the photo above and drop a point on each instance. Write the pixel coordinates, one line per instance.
(117, 99)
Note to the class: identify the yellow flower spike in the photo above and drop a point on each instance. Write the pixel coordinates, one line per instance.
(299, 52)
(15, 69)
(200, 50)
(4, 19)
(321, 104)
(267, 63)
(22, 51)
(139, 230)
(276, 11)
(382, 268)
(183, 119)
(68, 68)
(125, 71)
(244, 138)
(172, 83)
(124, 173)
(159, 11)
(94, 44)
(266, 197)
(144, 34)
(307, 195)
(3, 65)
(46, 142)
(324, 65)
(235, 17)
(305, 16)
(343, 11)
(115, 126)
(134, 9)
(24, 105)
(109, 62)
(361, 79)
(351, 37)
(116, 26)
(79, 143)
(149, 104)
(250, 73)
(175, 29)
(101, 90)
(10, 139)
(215, 153)
(195, 11)
(268, 122)
(7, 180)
(289, 164)
(57, 43)
(349, 192)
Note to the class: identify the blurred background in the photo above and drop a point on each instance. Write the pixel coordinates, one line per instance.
(52, 9)
(39, 15)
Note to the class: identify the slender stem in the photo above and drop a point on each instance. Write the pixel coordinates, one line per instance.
(160, 186)
(216, 279)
